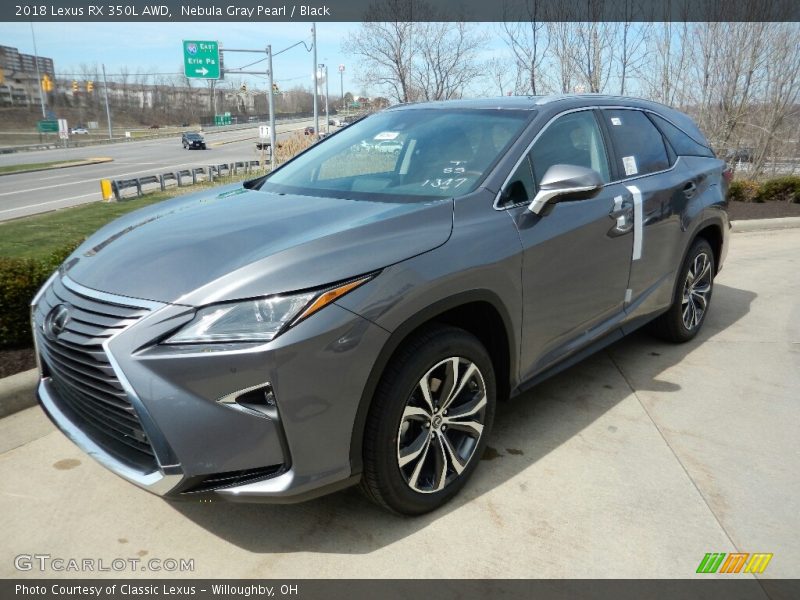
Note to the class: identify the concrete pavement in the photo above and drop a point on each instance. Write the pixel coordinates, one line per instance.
(633, 463)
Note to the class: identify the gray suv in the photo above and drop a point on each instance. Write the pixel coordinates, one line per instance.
(355, 316)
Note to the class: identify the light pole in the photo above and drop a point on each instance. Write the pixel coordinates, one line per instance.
(341, 85)
(327, 116)
(38, 74)
(108, 112)
(314, 44)
(322, 76)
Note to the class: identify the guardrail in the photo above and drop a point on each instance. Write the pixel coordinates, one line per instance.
(182, 177)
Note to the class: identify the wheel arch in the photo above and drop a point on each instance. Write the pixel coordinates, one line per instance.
(711, 231)
(479, 312)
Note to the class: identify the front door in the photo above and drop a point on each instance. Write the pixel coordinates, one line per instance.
(576, 254)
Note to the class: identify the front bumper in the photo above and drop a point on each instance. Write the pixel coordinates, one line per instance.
(298, 449)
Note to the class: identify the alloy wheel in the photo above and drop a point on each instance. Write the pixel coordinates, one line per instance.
(696, 291)
(441, 426)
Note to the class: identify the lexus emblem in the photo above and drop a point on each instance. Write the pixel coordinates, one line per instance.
(56, 321)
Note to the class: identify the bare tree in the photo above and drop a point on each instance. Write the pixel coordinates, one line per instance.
(384, 45)
(632, 42)
(447, 59)
(563, 60)
(434, 58)
(528, 44)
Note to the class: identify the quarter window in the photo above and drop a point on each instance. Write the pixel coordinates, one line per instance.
(638, 146)
(520, 187)
(573, 139)
(680, 141)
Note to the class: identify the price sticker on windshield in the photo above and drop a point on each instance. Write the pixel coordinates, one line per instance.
(387, 135)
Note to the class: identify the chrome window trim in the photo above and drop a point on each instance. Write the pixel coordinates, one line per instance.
(496, 204)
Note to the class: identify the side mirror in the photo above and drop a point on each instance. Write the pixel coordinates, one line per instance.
(566, 182)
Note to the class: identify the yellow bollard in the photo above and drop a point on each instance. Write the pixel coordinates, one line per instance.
(105, 190)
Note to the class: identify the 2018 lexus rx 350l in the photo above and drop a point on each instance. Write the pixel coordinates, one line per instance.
(355, 315)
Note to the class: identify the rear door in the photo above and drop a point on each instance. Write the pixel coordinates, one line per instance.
(659, 187)
(576, 256)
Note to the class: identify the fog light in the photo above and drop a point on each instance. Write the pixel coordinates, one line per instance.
(258, 399)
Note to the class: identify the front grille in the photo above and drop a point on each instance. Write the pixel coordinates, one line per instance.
(83, 376)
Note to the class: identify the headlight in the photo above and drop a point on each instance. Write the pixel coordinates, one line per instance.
(258, 320)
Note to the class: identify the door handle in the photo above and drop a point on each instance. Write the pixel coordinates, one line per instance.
(622, 213)
(689, 189)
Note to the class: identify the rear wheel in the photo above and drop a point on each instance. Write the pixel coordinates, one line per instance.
(427, 426)
(692, 297)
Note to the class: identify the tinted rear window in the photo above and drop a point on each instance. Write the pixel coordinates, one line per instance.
(638, 146)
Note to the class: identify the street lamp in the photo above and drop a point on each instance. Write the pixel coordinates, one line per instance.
(322, 75)
(341, 84)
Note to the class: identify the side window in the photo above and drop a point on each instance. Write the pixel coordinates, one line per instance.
(680, 142)
(573, 139)
(520, 188)
(638, 146)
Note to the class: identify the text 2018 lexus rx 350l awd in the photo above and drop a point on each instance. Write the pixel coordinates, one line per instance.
(356, 315)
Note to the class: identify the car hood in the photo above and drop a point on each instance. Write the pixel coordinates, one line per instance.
(237, 243)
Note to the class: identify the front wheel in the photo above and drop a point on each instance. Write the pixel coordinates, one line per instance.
(429, 419)
(692, 297)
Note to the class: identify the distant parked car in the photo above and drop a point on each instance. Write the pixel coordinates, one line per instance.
(79, 131)
(308, 131)
(389, 147)
(192, 139)
(739, 155)
(155, 126)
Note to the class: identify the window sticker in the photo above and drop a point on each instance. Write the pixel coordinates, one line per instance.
(616, 121)
(629, 162)
(387, 135)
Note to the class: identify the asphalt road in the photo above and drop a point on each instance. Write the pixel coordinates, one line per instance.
(634, 463)
(42, 191)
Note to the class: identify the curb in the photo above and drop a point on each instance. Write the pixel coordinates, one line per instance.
(764, 224)
(17, 392)
(82, 163)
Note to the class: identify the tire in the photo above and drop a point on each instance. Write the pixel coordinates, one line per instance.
(400, 426)
(692, 297)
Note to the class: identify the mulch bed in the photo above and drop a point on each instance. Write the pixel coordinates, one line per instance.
(15, 361)
(762, 210)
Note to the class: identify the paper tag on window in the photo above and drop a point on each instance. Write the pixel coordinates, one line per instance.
(616, 121)
(387, 135)
(629, 163)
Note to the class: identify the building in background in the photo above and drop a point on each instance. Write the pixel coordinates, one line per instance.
(19, 82)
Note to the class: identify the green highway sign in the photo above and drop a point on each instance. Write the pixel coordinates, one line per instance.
(201, 59)
(49, 126)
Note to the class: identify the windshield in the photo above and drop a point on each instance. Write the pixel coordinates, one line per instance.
(416, 153)
(193, 136)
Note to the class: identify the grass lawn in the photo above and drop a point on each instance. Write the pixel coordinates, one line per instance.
(38, 236)
(32, 166)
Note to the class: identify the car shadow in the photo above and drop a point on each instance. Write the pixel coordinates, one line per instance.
(526, 429)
